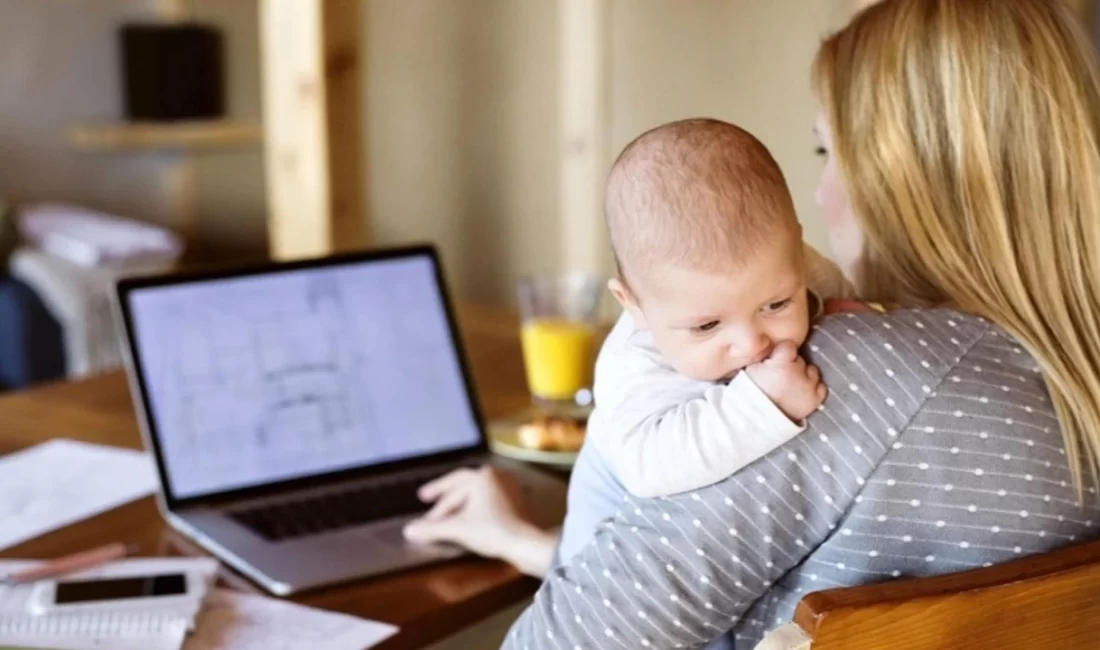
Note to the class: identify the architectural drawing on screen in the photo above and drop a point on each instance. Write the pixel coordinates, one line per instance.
(281, 368)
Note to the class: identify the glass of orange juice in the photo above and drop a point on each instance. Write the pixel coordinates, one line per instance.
(558, 336)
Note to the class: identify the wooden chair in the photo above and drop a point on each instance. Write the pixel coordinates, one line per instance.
(1045, 601)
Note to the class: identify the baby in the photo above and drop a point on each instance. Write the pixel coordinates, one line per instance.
(701, 375)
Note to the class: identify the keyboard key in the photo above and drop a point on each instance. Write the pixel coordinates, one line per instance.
(336, 510)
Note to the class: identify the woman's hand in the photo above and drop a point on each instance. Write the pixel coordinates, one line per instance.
(482, 510)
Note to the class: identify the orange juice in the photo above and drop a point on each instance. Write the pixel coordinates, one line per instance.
(559, 357)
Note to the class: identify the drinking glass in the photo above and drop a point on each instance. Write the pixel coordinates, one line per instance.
(558, 336)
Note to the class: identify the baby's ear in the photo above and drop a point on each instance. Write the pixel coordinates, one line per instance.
(628, 301)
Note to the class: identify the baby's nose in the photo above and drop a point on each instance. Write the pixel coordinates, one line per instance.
(755, 350)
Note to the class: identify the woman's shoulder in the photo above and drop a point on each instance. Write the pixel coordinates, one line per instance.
(904, 335)
(914, 351)
(937, 322)
(959, 446)
(917, 346)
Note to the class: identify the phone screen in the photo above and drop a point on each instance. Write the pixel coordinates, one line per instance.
(83, 591)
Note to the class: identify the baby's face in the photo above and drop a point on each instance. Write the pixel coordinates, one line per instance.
(710, 325)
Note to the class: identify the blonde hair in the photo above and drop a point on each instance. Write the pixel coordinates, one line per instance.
(968, 136)
(699, 192)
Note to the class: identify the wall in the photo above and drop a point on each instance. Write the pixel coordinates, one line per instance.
(57, 67)
(461, 139)
(744, 62)
(462, 111)
(230, 197)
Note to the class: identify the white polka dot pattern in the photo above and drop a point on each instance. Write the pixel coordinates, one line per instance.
(944, 454)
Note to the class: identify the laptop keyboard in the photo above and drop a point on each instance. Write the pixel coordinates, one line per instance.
(298, 517)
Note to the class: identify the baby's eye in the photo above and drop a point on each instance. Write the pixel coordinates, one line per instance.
(777, 306)
(821, 151)
(706, 327)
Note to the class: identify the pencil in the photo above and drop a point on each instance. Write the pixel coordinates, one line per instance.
(69, 563)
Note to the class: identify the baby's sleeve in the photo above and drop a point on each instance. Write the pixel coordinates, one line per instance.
(670, 434)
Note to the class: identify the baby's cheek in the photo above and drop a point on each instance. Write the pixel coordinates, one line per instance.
(707, 363)
(800, 335)
(799, 326)
(686, 359)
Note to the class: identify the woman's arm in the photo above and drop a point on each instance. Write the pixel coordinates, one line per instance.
(531, 550)
(680, 571)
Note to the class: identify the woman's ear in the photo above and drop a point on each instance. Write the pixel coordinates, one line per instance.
(628, 301)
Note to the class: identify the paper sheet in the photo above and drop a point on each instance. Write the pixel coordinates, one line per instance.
(171, 641)
(147, 627)
(236, 621)
(56, 483)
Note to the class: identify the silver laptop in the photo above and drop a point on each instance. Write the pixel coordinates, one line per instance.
(293, 409)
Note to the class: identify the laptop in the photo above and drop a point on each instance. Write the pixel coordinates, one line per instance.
(293, 409)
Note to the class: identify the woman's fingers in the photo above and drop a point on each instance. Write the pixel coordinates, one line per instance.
(448, 502)
(425, 531)
(432, 490)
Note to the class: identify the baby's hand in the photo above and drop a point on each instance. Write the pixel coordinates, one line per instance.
(791, 383)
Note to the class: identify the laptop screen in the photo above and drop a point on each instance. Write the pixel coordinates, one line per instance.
(263, 378)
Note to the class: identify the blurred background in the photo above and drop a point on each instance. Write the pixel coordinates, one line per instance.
(484, 126)
(460, 104)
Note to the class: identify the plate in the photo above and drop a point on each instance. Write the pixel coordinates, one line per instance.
(504, 441)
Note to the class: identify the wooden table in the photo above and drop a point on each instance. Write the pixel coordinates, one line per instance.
(428, 604)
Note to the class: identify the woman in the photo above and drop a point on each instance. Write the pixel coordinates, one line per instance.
(962, 183)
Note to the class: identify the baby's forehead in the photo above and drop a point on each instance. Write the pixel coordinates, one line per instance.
(765, 276)
(713, 236)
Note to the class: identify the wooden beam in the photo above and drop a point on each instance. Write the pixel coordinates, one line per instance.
(584, 123)
(311, 59)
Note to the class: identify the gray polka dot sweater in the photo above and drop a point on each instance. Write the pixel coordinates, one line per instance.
(937, 451)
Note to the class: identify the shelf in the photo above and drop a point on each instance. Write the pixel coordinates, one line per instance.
(167, 136)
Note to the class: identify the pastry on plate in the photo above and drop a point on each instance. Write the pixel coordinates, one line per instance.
(552, 433)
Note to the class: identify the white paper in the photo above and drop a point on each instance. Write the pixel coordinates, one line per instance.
(136, 627)
(56, 483)
(170, 641)
(236, 621)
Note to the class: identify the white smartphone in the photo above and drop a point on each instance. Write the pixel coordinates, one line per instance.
(140, 591)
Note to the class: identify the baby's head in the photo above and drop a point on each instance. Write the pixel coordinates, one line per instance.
(708, 247)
